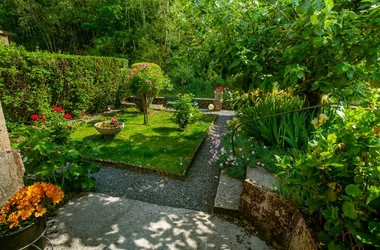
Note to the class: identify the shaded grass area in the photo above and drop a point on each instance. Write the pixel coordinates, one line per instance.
(158, 145)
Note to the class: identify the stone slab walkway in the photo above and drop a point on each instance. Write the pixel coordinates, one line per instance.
(99, 221)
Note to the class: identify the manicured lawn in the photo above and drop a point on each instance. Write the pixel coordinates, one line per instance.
(158, 145)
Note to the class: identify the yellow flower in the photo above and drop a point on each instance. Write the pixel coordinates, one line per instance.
(315, 123)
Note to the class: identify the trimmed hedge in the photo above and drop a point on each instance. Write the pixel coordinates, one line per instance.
(32, 81)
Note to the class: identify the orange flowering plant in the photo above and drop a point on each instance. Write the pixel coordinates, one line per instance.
(27, 205)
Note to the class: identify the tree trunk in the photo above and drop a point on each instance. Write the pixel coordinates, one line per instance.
(145, 106)
(11, 167)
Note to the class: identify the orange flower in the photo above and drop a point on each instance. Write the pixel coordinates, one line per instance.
(13, 219)
(28, 203)
(40, 211)
(26, 213)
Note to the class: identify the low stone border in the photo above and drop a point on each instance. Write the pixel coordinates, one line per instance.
(143, 169)
(276, 219)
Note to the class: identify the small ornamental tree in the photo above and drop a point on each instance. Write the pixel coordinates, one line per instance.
(145, 80)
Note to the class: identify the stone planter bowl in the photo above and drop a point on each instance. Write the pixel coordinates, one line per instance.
(108, 131)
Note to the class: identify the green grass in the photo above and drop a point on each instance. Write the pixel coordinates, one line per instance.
(159, 145)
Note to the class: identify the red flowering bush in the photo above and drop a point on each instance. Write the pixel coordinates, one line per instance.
(27, 205)
(55, 123)
(49, 155)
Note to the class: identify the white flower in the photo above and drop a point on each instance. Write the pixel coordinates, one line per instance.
(211, 107)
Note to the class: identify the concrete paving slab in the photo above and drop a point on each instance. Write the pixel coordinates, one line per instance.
(228, 194)
(99, 221)
(263, 178)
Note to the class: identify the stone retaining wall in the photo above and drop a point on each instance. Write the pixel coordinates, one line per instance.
(202, 102)
(275, 218)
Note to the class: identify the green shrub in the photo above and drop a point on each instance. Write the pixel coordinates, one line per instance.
(338, 178)
(50, 155)
(30, 81)
(145, 80)
(185, 111)
(287, 130)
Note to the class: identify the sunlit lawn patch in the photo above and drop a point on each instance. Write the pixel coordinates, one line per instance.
(159, 145)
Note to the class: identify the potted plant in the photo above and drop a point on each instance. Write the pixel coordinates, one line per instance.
(218, 93)
(109, 127)
(22, 220)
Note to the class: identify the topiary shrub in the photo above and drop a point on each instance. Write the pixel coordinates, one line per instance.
(145, 80)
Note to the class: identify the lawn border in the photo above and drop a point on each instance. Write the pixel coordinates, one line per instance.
(146, 170)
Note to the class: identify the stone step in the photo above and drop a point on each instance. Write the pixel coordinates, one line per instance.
(262, 177)
(228, 195)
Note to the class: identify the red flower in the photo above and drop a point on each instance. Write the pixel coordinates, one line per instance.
(70, 127)
(83, 114)
(58, 109)
(34, 117)
(67, 116)
(219, 88)
(43, 118)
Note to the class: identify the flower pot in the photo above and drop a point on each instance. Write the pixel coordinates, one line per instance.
(24, 238)
(108, 131)
(218, 96)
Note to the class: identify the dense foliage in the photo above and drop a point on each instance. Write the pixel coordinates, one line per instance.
(288, 130)
(338, 178)
(32, 81)
(137, 30)
(315, 46)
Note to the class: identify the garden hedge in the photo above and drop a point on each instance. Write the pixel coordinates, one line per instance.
(33, 81)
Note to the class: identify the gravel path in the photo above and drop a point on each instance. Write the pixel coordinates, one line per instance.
(197, 192)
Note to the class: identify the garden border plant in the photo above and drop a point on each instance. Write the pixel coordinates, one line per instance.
(345, 214)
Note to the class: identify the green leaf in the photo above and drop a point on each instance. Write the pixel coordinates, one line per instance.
(333, 246)
(331, 138)
(349, 210)
(314, 18)
(327, 24)
(243, 23)
(374, 228)
(368, 239)
(353, 190)
(324, 238)
(336, 230)
(358, 179)
(304, 7)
